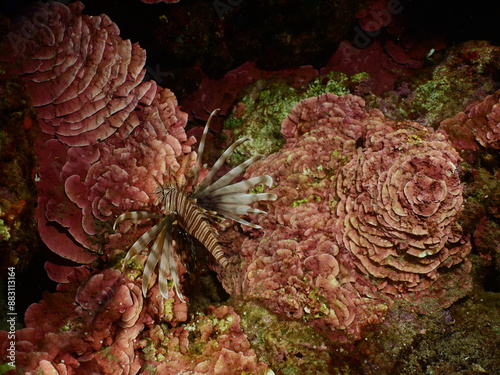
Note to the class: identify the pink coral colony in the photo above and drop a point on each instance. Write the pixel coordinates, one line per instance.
(367, 211)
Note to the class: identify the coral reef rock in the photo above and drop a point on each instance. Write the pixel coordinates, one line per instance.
(107, 135)
(367, 212)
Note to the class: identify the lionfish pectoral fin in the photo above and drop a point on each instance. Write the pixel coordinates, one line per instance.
(178, 292)
(134, 216)
(153, 258)
(168, 267)
(143, 241)
(271, 197)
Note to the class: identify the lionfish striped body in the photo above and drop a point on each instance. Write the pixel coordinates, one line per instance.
(192, 219)
(192, 213)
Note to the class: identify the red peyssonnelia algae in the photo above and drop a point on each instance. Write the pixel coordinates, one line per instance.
(298, 268)
(111, 289)
(85, 80)
(112, 132)
(117, 175)
(59, 220)
(96, 325)
(366, 209)
(212, 343)
(81, 187)
(399, 200)
(480, 120)
(76, 328)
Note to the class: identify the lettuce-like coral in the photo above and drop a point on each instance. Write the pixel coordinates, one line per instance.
(367, 210)
(108, 132)
(84, 78)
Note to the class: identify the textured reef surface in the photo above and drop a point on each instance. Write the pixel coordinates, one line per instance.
(381, 254)
(367, 213)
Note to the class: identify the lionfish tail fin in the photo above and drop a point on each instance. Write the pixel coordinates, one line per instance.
(143, 242)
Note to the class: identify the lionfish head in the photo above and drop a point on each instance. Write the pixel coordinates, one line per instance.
(163, 193)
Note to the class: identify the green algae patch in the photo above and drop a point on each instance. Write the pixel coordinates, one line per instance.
(288, 346)
(266, 103)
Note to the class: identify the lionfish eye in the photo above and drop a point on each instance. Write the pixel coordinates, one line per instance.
(165, 192)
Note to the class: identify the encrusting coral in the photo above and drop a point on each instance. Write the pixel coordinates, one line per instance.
(85, 79)
(367, 211)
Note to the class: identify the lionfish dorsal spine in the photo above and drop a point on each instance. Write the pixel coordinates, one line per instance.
(201, 146)
(217, 165)
(229, 177)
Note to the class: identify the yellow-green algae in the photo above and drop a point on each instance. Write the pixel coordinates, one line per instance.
(4, 230)
(440, 91)
(289, 347)
(266, 103)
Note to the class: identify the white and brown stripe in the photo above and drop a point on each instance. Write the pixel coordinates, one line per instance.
(193, 220)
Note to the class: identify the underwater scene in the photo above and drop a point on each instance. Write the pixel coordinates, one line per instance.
(249, 187)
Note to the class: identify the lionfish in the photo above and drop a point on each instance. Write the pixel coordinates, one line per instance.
(193, 212)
